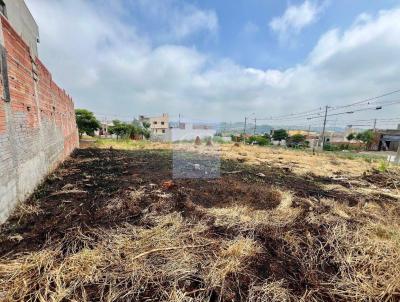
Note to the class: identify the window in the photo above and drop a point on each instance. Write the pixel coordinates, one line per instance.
(155, 122)
(163, 131)
(162, 123)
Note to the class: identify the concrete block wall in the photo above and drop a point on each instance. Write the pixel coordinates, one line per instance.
(37, 123)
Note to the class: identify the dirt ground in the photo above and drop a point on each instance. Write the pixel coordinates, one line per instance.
(114, 225)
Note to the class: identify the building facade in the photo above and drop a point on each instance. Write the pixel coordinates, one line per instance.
(158, 124)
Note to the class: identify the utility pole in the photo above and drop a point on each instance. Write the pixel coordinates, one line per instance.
(255, 125)
(244, 130)
(106, 126)
(323, 128)
(374, 125)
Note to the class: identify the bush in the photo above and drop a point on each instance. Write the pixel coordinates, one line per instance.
(297, 141)
(340, 147)
(329, 147)
(383, 166)
(366, 137)
(259, 140)
(297, 138)
(129, 130)
(351, 136)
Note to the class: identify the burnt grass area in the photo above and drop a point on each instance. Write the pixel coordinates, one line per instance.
(81, 192)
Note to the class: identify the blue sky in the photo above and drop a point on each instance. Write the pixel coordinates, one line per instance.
(220, 59)
(244, 34)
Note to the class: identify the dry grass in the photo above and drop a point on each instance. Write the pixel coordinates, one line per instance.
(299, 250)
(127, 262)
(233, 260)
(245, 218)
(136, 195)
(272, 291)
(301, 162)
(24, 210)
(176, 260)
(369, 261)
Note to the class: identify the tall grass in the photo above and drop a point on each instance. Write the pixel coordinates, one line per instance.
(125, 144)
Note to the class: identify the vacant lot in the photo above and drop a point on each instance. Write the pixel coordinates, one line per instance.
(278, 225)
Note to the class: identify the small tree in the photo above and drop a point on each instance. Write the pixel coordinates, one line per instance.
(366, 136)
(279, 135)
(267, 136)
(146, 130)
(146, 133)
(259, 140)
(86, 122)
(129, 130)
(298, 138)
(120, 129)
(146, 125)
(351, 137)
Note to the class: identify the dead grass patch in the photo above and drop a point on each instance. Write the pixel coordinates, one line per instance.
(126, 262)
(271, 291)
(24, 210)
(368, 260)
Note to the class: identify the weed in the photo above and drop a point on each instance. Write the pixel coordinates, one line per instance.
(383, 166)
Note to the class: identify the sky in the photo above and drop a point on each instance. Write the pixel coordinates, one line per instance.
(222, 60)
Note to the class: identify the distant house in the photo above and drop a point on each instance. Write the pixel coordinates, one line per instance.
(295, 132)
(158, 124)
(103, 131)
(387, 140)
(188, 130)
(184, 130)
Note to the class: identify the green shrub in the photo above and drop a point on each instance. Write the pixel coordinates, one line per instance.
(340, 147)
(258, 139)
(383, 166)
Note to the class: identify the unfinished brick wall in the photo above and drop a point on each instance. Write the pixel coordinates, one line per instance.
(37, 122)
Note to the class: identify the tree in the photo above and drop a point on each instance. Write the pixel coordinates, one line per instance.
(258, 139)
(279, 135)
(366, 136)
(267, 136)
(146, 130)
(351, 137)
(298, 138)
(128, 130)
(86, 122)
(297, 141)
(146, 125)
(120, 129)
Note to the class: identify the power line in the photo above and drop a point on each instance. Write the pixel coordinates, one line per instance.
(363, 109)
(318, 112)
(367, 100)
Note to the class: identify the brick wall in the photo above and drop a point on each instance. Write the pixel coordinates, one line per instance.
(37, 123)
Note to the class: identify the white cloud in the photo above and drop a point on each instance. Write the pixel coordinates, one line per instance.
(178, 19)
(110, 67)
(296, 17)
(194, 20)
